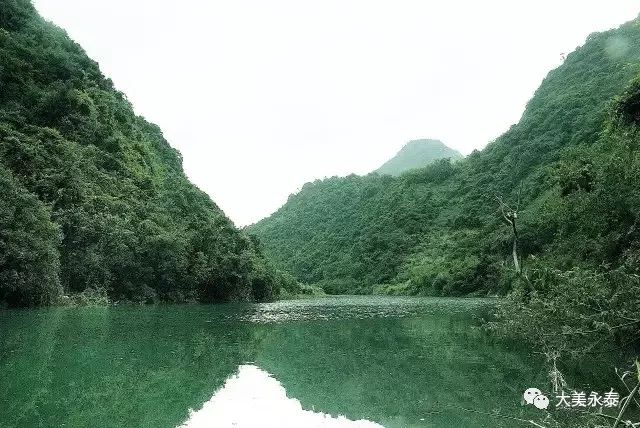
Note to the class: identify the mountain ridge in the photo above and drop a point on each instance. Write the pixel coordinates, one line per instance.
(435, 230)
(417, 154)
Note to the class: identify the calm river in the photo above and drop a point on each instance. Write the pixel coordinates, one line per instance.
(343, 362)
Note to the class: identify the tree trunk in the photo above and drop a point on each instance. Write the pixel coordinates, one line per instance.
(516, 261)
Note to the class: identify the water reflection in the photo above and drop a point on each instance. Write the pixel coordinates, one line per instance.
(114, 367)
(397, 362)
(252, 398)
(401, 371)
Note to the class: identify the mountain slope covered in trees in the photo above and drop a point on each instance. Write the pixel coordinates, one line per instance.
(94, 200)
(417, 154)
(568, 165)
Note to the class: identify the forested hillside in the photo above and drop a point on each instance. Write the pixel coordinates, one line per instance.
(94, 200)
(417, 154)
(569, 168)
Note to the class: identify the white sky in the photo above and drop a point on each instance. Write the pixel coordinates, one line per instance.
(263, 96)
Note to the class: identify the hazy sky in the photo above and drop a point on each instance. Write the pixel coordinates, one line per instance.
(261, 96)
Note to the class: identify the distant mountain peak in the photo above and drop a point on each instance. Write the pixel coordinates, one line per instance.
(417, 154)
(424, 142)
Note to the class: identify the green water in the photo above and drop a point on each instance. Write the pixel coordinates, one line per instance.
(400, 362)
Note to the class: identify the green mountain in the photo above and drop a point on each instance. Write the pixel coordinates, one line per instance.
(570, 166)
(94, 200)
(417, 154)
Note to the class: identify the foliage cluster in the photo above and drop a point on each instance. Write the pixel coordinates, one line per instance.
(438, 230)
(572, 164)
(93, 196)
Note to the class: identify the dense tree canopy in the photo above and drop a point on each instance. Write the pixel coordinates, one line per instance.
(29, 261)
(438, 230)
(93, 196)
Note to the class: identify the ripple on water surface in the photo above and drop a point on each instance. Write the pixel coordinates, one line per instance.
(357, 307)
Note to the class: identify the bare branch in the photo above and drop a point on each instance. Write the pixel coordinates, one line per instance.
(626, 404)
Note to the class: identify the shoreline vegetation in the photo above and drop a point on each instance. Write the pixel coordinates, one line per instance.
(96, 207)
(547, 215)
(99, 297)
(94, 197)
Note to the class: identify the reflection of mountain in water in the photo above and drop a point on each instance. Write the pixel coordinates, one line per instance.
(252, 398)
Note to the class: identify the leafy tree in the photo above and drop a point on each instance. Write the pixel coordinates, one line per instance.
(29, 258)
(128, 223)
(438, 230)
